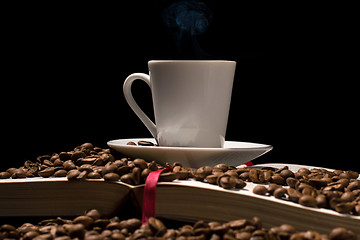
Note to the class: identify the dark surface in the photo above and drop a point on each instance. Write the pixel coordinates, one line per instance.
(294, 86)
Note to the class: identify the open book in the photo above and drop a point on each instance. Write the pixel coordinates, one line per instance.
(184, 200)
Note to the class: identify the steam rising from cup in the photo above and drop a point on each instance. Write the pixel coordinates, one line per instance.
(186, 19)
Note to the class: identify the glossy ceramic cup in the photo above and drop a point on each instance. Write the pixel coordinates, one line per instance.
(191, 101)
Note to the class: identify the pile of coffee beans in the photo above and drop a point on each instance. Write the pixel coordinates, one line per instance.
(338, 190)
(92, 226)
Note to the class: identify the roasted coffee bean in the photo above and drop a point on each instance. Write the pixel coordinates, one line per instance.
(60, 173)
(357, 209)
(227, 181)
(347, 197)
(157, 227)
(321, 201)
(128, 178)
(244, 176)
(222, 167)
(145, 143)
(256, 175)
(353, 186)
(167, 177)
(272, 187)
(5, 175)
(344, 207)
(341, 233)
(131, 143)
(212, 179)
(280, 192)
(47, 172)
(84, 220)
(291, 182)
(267, 175)
(77, 154)
(308, 201)
(202, 172)
(76, 230)
(286, 173)
(243, 235)
(30, 235)
(239, 184)
(339, 185)
(294, 195)
(260, 190)
(123, 170)
(73, 174)
(111, 176)
(145, 173)
(93, 175)
(69, 165)
(19, 173)
(136, 175)
(276, 178)
(140, 163)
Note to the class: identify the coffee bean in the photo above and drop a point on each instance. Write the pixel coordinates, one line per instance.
(84, 220)
(76, 230)
(93, 175)
(60, 173)
(260, 190)
(157, 227)
(30, 235)
(167, 177)
(111, 176)
(131, 143)
(347, 197)
(280, 192)
(344, 207)
(256, 176)
(136, 175)
(239, 184)
(286, 173)
(212, 179)
(318, 183)
(243, 235)
(128, 178)
(221, 166)
(321, 201)
(69, 165)
(276, 178)
(141, 163)
(238, 224)
(19, 173)
(272, 187)
(5, 175)
(308, 201)
(73, 174)
(202, 172)
(227, 181)
(47, 172)
(341, 233)
(145, 143)
(77, 154)
(294, 195)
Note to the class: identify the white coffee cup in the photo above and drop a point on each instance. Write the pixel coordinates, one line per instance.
(191, 101)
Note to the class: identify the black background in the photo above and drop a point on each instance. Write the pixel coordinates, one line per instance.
(295, 83)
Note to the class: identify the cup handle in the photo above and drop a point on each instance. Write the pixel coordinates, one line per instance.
(130, 100)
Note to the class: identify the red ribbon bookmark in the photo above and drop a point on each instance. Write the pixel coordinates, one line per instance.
(249, 164)
(149, 200)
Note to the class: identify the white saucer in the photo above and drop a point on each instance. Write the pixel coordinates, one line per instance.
(233, 153)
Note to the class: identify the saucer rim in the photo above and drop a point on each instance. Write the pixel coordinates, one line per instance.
(262, 147)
